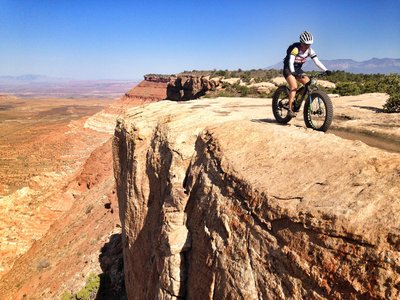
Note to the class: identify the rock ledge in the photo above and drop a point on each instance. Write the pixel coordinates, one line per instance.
(217, 204)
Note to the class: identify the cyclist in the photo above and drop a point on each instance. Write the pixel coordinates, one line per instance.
(296, 55)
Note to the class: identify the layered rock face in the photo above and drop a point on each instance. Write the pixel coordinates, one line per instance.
(189, 87)
(152, 89)
(217, 202)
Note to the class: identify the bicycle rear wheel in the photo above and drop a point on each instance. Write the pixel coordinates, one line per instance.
(318, 111)
(280, 105)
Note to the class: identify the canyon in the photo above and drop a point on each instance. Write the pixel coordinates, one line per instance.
(199, 199)
(57, 194)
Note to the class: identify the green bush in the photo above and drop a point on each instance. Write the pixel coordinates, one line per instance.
(392, 105)
(242, 90)
(67, 296)
(393, 84)
(370, 87)
(347, 89)
(88, 292)
(220, 73)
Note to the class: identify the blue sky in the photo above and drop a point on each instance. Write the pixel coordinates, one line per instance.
(127, 39)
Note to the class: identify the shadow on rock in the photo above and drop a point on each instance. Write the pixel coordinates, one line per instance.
(112, 283)
(372, 108)
(272, 121)
(264, 121)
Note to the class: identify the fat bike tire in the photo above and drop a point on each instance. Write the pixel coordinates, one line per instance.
(280, 100)
(318, 111)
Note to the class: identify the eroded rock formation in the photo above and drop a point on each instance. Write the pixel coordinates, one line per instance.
(216, 203)
(187, 87)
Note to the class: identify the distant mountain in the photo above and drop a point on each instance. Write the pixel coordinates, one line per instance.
(371, 66)
(29, 78)
(43, 86)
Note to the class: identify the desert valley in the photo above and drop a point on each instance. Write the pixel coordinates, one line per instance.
(201, 199)
(57, 188)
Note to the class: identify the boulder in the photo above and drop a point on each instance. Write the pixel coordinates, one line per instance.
(263, 87)
(231, 81)
(326, 84)
(278, 80)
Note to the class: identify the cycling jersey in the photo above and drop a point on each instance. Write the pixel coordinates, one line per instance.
(295, 58)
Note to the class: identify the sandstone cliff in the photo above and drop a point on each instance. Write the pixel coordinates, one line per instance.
(152, 89)
(217, 201)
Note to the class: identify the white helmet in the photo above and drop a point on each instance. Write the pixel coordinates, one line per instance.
(306, 38)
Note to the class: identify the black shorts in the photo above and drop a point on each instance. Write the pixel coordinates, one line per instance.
(286, 72)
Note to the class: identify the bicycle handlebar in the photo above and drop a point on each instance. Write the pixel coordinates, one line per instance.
(320, 74)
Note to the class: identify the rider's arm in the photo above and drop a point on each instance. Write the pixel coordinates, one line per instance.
(292, 57)
(317, 62)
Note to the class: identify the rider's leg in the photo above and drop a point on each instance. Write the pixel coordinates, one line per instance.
(291, 80)
(304, 79)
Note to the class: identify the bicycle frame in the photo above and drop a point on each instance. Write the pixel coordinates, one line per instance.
(303, 91)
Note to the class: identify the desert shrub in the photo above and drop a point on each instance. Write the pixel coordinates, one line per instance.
(392, 83)
(392, 105)
(354, 84)
(261, 79)
(233, 74)
(258, 75)
(89, 291)
(67, 296)
(42, 264)
(347, 89)
(220, 73)
(370, 87)
(245, 76)
(242, 90)
(227, 92)
(225, 85)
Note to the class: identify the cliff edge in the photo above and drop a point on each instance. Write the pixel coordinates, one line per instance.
(218, 202)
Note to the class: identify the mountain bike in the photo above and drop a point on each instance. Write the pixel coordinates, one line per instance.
(318, 108)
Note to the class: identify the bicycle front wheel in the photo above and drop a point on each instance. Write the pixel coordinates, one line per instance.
(318, 111)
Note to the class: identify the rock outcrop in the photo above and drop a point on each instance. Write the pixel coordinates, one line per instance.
(263, 87)
(188, 87)
(216, 202)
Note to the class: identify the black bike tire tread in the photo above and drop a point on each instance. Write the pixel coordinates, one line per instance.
(329, 111)
(275, 99)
